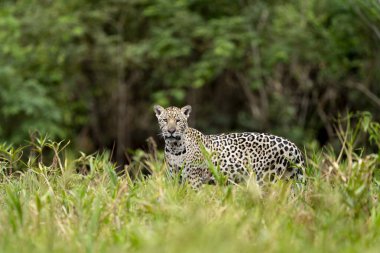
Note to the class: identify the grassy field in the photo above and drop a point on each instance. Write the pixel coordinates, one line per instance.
(49, 207)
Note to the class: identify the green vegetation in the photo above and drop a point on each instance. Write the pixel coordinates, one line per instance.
(47, 206)
(90, 71)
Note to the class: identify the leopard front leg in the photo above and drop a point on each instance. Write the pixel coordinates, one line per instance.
(174, 170)
(194, 176)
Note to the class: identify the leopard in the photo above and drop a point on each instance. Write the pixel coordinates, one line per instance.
(189, 153)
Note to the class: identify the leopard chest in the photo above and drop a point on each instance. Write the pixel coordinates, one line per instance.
(175, 154)
(175, 159)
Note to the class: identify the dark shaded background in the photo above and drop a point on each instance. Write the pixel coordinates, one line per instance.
(90, 71)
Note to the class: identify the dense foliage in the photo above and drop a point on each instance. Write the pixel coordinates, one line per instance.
(91, 70)
(50, 207)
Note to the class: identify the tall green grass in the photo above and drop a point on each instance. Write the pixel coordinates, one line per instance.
(47, 206)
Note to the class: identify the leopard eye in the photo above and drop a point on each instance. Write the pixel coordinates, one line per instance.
(165, 120)
(177, 120)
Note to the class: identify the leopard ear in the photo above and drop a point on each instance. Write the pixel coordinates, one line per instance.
(158, 109)
(186, 110)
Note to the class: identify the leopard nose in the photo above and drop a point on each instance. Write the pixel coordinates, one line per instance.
(171, 130)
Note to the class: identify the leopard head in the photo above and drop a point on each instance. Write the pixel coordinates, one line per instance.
(172, 121)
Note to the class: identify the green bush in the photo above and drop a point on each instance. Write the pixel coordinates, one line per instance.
(77, 69)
